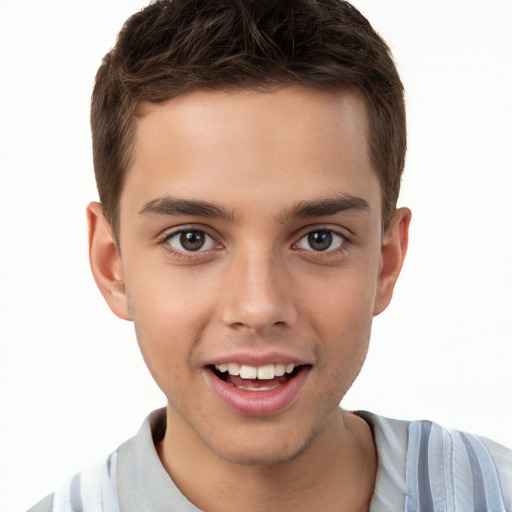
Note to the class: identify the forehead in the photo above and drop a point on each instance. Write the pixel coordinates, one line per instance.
(247, 145)
(302, 112)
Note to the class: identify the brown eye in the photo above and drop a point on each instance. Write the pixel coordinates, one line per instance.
(321, 240)
(191, 240)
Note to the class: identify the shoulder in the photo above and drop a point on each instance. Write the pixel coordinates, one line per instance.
(462, 470)
(442, 469)
(130, 474)
(93, 489)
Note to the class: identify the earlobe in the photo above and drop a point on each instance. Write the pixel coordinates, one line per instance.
(106, 262)
(393, 250)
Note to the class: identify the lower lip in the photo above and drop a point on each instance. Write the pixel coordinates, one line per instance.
(257, 403)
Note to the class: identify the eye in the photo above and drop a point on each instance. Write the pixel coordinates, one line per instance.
(190, 240)
(321, 240)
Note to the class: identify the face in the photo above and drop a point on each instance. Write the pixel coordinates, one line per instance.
(252, 262)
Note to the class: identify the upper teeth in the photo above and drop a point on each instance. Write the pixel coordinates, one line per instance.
(266, 372)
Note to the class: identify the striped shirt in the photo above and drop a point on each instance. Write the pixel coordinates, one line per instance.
(422, 467)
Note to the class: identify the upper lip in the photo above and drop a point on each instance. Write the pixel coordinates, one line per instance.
(255, 359)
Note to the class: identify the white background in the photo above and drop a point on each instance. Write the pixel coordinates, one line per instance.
(72, 383)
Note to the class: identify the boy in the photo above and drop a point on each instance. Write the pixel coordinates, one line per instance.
(248, 157)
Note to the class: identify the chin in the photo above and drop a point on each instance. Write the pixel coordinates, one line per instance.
(266, 457)
(264, 449)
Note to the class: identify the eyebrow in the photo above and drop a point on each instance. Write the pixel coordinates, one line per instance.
(325, 207)
(172, 206)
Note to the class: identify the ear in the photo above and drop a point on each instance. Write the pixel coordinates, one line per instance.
(394, 247)
(105, 261)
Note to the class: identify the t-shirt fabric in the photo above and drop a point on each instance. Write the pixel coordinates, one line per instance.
(422, 467)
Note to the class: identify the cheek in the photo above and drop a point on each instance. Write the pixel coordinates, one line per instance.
(166, 346)
(168, 299)
(345, 302)
(168, 323)
(170, 306)
(346, 338)
(342, 317)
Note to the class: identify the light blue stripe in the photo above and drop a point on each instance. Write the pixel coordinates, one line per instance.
(425, 493)
(411, 503)
(440, 454)
(75, 494)
(487, 488)
(479, 499)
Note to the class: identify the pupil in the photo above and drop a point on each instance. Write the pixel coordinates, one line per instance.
(320, 240)
(192, 240)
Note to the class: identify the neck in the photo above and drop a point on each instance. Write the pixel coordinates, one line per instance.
(335, 472)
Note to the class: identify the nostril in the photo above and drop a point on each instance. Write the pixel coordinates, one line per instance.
(239, 326)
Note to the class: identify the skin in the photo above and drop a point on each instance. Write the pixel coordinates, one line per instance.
(256, 287)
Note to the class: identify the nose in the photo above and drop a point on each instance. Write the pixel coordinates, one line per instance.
(258, 293)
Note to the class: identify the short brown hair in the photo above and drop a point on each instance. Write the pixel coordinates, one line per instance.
(174, 46)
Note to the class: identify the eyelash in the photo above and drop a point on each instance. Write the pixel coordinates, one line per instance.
(184, 254)
(345, 241)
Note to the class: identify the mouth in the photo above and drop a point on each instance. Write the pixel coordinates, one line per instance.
(257, 390)
(256, 378)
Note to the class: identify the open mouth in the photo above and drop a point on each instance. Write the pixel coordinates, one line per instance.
(263, 390)
(256, 378)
